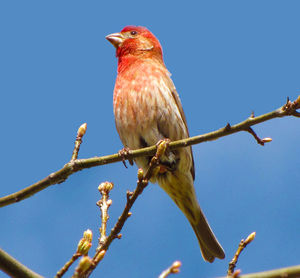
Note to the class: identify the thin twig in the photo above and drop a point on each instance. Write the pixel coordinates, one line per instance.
(174, 268)
(289, 109)
(241, 247)
(131, 198)
(65, 268)
(83, 248)
(252, 132)
(104, 204)
(80, 133)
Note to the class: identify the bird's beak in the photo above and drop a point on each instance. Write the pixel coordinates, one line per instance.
(116, 39)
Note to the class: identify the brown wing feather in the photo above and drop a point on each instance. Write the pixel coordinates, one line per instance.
(178, 103)
(179, 106)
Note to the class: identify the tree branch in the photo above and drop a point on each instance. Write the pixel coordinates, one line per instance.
(142, 182)
(289, 109)
(286, 272)
(13, 268)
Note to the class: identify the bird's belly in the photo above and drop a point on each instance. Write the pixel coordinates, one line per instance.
(136, 120)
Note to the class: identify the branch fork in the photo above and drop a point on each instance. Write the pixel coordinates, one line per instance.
(104, 203)
(87, 264)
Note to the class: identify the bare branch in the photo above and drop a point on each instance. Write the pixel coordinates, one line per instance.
(289, 109)
(259, 141)
(241, 247)
(286, 272)
(104, 204)
(67, 265)
(83, 248)
(131, 198)
(13, 268)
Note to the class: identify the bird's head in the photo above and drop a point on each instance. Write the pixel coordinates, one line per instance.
(135, 41)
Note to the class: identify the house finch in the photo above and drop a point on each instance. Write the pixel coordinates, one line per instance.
(147, 109)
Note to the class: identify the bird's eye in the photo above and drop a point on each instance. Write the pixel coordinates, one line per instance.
(133, 33)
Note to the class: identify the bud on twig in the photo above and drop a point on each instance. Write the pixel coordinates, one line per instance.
(175, 268)
(85, 244)
(84, 264)
(100, 256)
(140, 174)
(82, 130)
(83, 247)
(88, 235)
(267, 140)
(250, 238)
(105, 187)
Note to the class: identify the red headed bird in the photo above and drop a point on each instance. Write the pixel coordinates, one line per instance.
(147, 109)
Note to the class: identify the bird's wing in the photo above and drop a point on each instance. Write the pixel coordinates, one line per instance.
(177, 101)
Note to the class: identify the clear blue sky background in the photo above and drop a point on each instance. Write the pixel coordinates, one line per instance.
(227, 58)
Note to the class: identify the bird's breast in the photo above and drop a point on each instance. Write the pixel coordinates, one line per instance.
(137, 105)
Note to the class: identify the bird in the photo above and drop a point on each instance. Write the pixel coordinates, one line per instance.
(147, 109)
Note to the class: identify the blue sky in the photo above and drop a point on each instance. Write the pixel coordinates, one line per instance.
(227, 58)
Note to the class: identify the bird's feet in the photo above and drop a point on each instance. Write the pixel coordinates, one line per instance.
(124, 153)
(162, 146)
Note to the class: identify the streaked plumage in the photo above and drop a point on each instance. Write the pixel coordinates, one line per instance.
(147, 109)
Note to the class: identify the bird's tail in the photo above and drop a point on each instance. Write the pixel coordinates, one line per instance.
(209, 245)
(180, 188)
